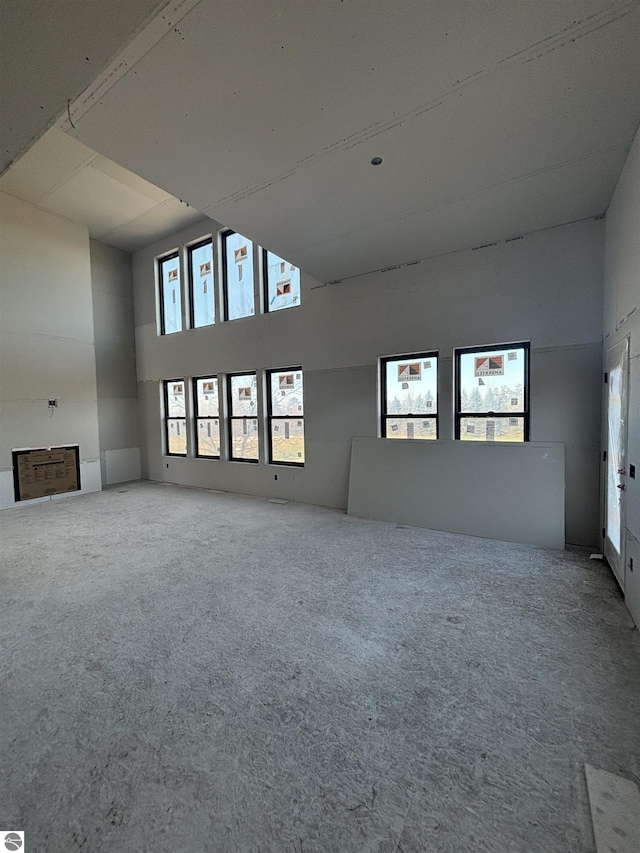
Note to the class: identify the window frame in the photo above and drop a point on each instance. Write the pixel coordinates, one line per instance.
(198, 417)
(224, 236)
(525, 346)
(385, 416)
(231, 417)
(271, 417)
(159, 264)
(168, 418)
(191, 248)
(265, 283)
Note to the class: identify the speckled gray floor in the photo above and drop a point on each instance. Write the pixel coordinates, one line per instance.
(190, 671)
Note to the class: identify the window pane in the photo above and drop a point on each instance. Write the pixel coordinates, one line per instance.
(207, 397)
(208, 433)
(412, 386)
(202, 285)
(175, 399)
(287, 440)
(244, 438)
(177, 436)
(239, 280)
(492, 429)
(283, 283)
(171, 295)
(492, 381)
(411, 428)
(244, 400)
(286, 392)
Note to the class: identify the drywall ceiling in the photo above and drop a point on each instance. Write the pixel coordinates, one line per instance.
(63, 176)
(49, 52)
(492, 119)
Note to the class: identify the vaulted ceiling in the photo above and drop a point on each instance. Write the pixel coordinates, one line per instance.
(491, 119)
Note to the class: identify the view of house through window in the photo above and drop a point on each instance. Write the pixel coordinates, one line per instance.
(286, 416)
(175, 417)
(243, 417)
(170, 294)
(238, 276)
(282, 283)
(207, 415)
(201, 284)
(492, 393)
(409, 386)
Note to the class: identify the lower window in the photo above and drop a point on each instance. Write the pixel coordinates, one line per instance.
(243, 417)
(175, 417)
(286, 416)
(492, 393)
(207, 412)
(409, 388)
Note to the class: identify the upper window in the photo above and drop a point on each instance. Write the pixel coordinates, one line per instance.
(202, 284)
(243, 417)
(238, 276)
(492, 393)
(409, 386)
(282, 283)
(286, 416)
(175, 417)
(170, 294)
(207, 412)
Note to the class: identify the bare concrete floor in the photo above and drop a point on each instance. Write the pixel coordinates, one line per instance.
(184, 670)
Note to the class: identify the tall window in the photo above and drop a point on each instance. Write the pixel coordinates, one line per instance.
(286, 416)
(202, 284)
(175, 417)
(409, 386)
(243, 417)
(170, 294)
(492, 393)
(282, 283)
(207, 412)
(238, 276)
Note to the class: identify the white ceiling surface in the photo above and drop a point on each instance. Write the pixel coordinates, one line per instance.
(63, 176)
(492, 119)
(49, 52)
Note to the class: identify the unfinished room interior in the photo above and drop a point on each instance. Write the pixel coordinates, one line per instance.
(319, 426)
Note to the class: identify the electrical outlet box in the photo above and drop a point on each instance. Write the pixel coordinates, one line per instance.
(53, 404)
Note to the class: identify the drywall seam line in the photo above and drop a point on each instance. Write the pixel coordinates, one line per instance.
(148, 38)
(349, 278)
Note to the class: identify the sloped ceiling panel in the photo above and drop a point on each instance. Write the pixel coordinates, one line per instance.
(491, 119)
(49, 53)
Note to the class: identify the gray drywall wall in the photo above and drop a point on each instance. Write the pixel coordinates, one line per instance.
(46, 339)
(622, 319)
(513, 492)
(545, 288)
(116, 383)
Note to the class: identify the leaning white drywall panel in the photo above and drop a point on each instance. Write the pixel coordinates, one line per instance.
(513, 492)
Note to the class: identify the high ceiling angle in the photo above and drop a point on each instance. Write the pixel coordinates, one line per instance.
(491, 119)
